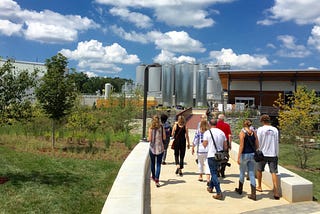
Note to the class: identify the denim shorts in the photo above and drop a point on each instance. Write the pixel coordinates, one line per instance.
(271, 161)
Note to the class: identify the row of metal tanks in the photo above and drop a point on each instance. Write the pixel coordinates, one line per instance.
(184, 84)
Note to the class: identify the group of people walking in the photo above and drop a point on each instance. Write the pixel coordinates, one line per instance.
(214, 136)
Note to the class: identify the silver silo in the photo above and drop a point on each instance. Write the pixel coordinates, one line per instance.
(214, 85)
(167, 84)
(184, 84)
(107, 90)
(140, 74)
(201, 95)
(195, 79)
(154, 79)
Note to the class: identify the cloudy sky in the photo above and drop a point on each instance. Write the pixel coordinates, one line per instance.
(112, 37)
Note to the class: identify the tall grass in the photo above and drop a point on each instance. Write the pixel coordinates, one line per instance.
(45, 184)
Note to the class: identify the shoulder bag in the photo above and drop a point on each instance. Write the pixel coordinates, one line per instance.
(220, 156)
(258, 155)
(174, 140)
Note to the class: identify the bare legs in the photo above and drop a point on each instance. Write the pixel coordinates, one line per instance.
(275, 182)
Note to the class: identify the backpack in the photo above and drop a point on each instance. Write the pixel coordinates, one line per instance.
(168, 129)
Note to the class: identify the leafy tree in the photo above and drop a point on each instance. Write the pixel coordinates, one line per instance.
(56, 92)
(80, 79)
(297, 119)
(90, 85)
(15, 93)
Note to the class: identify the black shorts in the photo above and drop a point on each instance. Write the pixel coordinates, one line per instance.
(272, 163)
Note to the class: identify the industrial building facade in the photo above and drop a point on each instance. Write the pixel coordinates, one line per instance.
(262, 88)
(196, 84)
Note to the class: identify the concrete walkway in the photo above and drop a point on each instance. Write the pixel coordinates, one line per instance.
(187, 195)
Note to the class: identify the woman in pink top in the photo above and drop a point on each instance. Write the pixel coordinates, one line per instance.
(156, 136)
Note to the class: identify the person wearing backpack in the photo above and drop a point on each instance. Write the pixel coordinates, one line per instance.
(168, 129)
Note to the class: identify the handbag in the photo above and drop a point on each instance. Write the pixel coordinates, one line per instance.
(258, 154)
(220, 156)
(174, 140)
(172, 144)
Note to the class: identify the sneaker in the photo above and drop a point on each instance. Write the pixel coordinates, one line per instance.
(152, 178)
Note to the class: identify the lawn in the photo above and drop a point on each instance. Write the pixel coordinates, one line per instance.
(288, 160)
(42, 183)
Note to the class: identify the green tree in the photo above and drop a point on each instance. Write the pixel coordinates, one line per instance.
(297, 119)
(16, 91)
(56, 92)
(80, 79)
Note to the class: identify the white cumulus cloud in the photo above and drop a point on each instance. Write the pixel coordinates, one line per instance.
(188, 13)
(314, 39)
(179, 42)
(242, 61)
(138, 19)
(299, 11)
(94, 57)
(8, 28)
(44, 26)
(289, 48)
(168, 57)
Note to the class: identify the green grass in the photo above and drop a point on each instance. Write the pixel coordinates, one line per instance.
(45, 184)
(288, 160)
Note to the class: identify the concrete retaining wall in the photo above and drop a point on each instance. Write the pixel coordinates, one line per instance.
(127, 192)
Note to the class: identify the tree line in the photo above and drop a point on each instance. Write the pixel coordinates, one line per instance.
(92, 85)
(55, 93)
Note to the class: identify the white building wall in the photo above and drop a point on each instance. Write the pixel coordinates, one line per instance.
(245, 85)
(310, 85)
(277, 86)
(29, 66)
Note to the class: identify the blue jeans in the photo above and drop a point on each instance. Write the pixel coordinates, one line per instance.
(155, 165)
(214, 182)
(247, 163)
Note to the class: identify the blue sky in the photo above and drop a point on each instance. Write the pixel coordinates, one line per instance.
(111, 37)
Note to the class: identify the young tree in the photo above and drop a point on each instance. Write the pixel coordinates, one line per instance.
(56, 92)
(297, 119)
(15, 93)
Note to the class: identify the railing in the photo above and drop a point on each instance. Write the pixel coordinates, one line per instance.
(186, 113)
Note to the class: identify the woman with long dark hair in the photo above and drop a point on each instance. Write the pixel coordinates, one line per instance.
(180, 135)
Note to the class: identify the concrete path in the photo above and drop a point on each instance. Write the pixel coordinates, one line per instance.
(187, 195)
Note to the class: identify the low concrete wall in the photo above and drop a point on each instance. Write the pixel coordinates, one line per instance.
(293, 187)
(127, 192)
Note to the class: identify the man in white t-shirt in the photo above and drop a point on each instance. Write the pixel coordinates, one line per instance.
(221, 144)
(268, 137)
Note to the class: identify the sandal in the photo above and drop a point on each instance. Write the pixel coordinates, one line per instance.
(259, 189)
